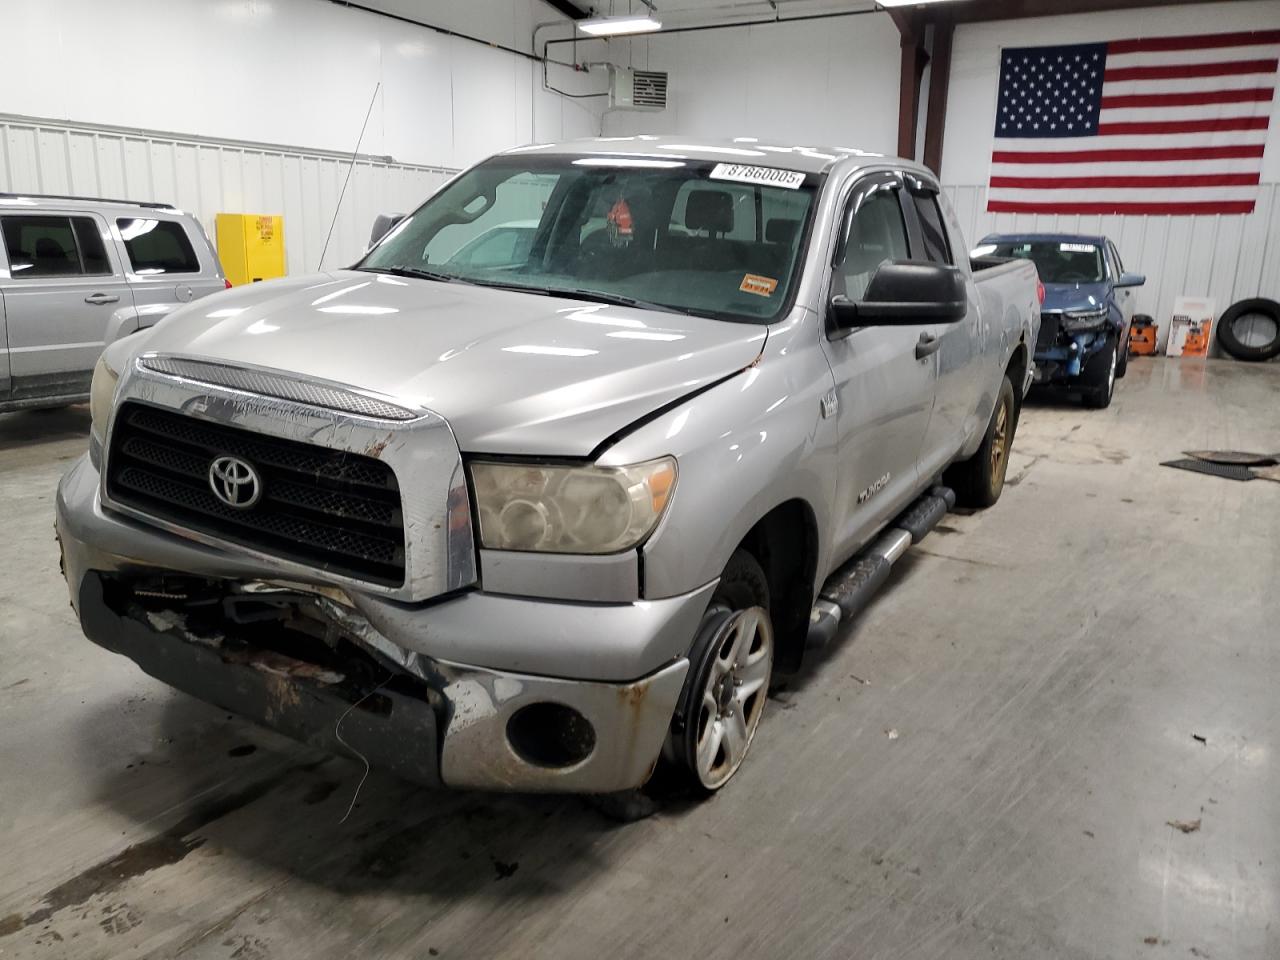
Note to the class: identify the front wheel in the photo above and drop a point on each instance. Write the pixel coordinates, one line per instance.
(979, 481)
(728, 682)
(1099, 376)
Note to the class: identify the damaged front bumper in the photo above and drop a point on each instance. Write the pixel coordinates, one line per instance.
(1065, 359)
(367, 678)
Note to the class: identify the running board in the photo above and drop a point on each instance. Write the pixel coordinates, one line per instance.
(851, 587)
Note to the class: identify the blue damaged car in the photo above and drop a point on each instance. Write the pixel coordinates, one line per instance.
(1088, 305)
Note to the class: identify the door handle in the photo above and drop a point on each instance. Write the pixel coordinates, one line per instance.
(927, 345)
(102, 298)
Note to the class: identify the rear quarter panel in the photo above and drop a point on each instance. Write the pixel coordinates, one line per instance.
(155, 297)
(1011, 311)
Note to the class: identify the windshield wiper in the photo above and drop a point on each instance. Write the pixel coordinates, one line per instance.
(500, 285)
(594, 296)
(413, 272)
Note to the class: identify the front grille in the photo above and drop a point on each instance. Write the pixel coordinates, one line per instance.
(1050, 324)
(325, 508)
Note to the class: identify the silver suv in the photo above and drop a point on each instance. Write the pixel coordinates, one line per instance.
(78, 273)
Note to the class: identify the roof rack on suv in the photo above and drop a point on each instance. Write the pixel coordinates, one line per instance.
(55, 196)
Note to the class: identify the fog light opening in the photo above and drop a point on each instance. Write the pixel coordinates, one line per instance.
(550, 735)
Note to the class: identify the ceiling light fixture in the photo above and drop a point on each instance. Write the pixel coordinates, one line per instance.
(619, 26)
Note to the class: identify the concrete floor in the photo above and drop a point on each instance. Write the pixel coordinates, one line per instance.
(1048, 666)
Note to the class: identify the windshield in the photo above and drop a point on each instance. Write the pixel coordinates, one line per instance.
(1058, 262)
(719, 240)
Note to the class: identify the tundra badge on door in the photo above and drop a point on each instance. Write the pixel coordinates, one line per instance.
(875, 488)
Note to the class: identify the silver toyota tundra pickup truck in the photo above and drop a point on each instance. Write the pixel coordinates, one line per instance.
(543, 515)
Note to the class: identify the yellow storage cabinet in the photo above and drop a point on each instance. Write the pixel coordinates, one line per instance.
(251, 247)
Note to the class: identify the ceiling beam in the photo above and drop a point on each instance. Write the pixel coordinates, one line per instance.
(568, 8)
(976, 11)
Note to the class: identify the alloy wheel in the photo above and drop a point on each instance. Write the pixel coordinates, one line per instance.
(733, 696)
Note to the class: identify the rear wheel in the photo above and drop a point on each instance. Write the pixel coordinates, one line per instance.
(979, 481)
(1099, 376)
(728, 682)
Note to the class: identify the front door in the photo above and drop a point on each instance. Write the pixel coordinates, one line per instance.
(883, 390)
(65, 298)
(1124, 296)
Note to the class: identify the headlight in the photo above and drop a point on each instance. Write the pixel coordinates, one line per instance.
(101, 394)
(563, 509)
(1084, 319)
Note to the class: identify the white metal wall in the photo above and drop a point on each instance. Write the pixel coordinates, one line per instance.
(207, 177)
(832, 82)
(1228, 258)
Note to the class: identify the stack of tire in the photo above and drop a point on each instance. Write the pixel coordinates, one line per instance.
(1250, 330)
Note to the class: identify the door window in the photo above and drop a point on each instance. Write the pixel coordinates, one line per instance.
(93, 254)
(1117, 265)
(936, 247)
(877, 233)
(53, 247)
(157, 247)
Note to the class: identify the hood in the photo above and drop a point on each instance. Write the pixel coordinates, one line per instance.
(513, 373)
(1073, 296)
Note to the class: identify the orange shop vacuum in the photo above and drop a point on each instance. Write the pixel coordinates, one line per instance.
(1142, 336)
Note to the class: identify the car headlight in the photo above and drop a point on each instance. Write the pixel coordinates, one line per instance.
(570, 509)
(1084, 319)
(102, 392)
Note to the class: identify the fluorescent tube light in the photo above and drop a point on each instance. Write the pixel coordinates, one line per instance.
(616, 26)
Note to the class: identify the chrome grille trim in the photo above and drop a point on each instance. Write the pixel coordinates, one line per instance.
(278, 385)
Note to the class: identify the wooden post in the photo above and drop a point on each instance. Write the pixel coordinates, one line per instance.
(912, 69)
(939, 81)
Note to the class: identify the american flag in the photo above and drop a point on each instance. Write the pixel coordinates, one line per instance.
(1161, 126)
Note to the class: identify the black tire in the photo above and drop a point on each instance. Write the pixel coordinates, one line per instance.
(979, 481)
(1122, 358)
(743, 590)
(1243, 342)
(1098, 378)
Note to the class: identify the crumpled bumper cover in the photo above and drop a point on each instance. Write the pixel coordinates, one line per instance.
(401, 739)
(455, 731)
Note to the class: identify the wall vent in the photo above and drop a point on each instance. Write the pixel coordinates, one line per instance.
(637, 89)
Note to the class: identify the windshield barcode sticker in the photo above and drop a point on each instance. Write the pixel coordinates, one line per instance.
(765, 176)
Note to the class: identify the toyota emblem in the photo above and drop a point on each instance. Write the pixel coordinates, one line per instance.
(235, 482)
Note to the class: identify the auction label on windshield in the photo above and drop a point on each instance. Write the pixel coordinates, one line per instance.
(765, 176)
(760, 286)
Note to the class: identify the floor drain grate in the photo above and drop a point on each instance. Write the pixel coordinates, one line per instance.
(1228, 471)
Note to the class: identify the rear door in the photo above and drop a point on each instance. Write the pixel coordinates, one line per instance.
(166, 262)
(883, 391)
(958, 345)
(66, 298)
(4, 338)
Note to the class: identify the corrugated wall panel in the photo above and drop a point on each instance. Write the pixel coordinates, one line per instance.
(1227, 258)
(209, 176)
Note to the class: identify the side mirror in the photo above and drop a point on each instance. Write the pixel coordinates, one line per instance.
(903, 293)
(1131, 280)
(382, 225)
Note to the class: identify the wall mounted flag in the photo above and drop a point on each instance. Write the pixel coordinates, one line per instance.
(1159, 126)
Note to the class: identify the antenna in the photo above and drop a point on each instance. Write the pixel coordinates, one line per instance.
(350, 167)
